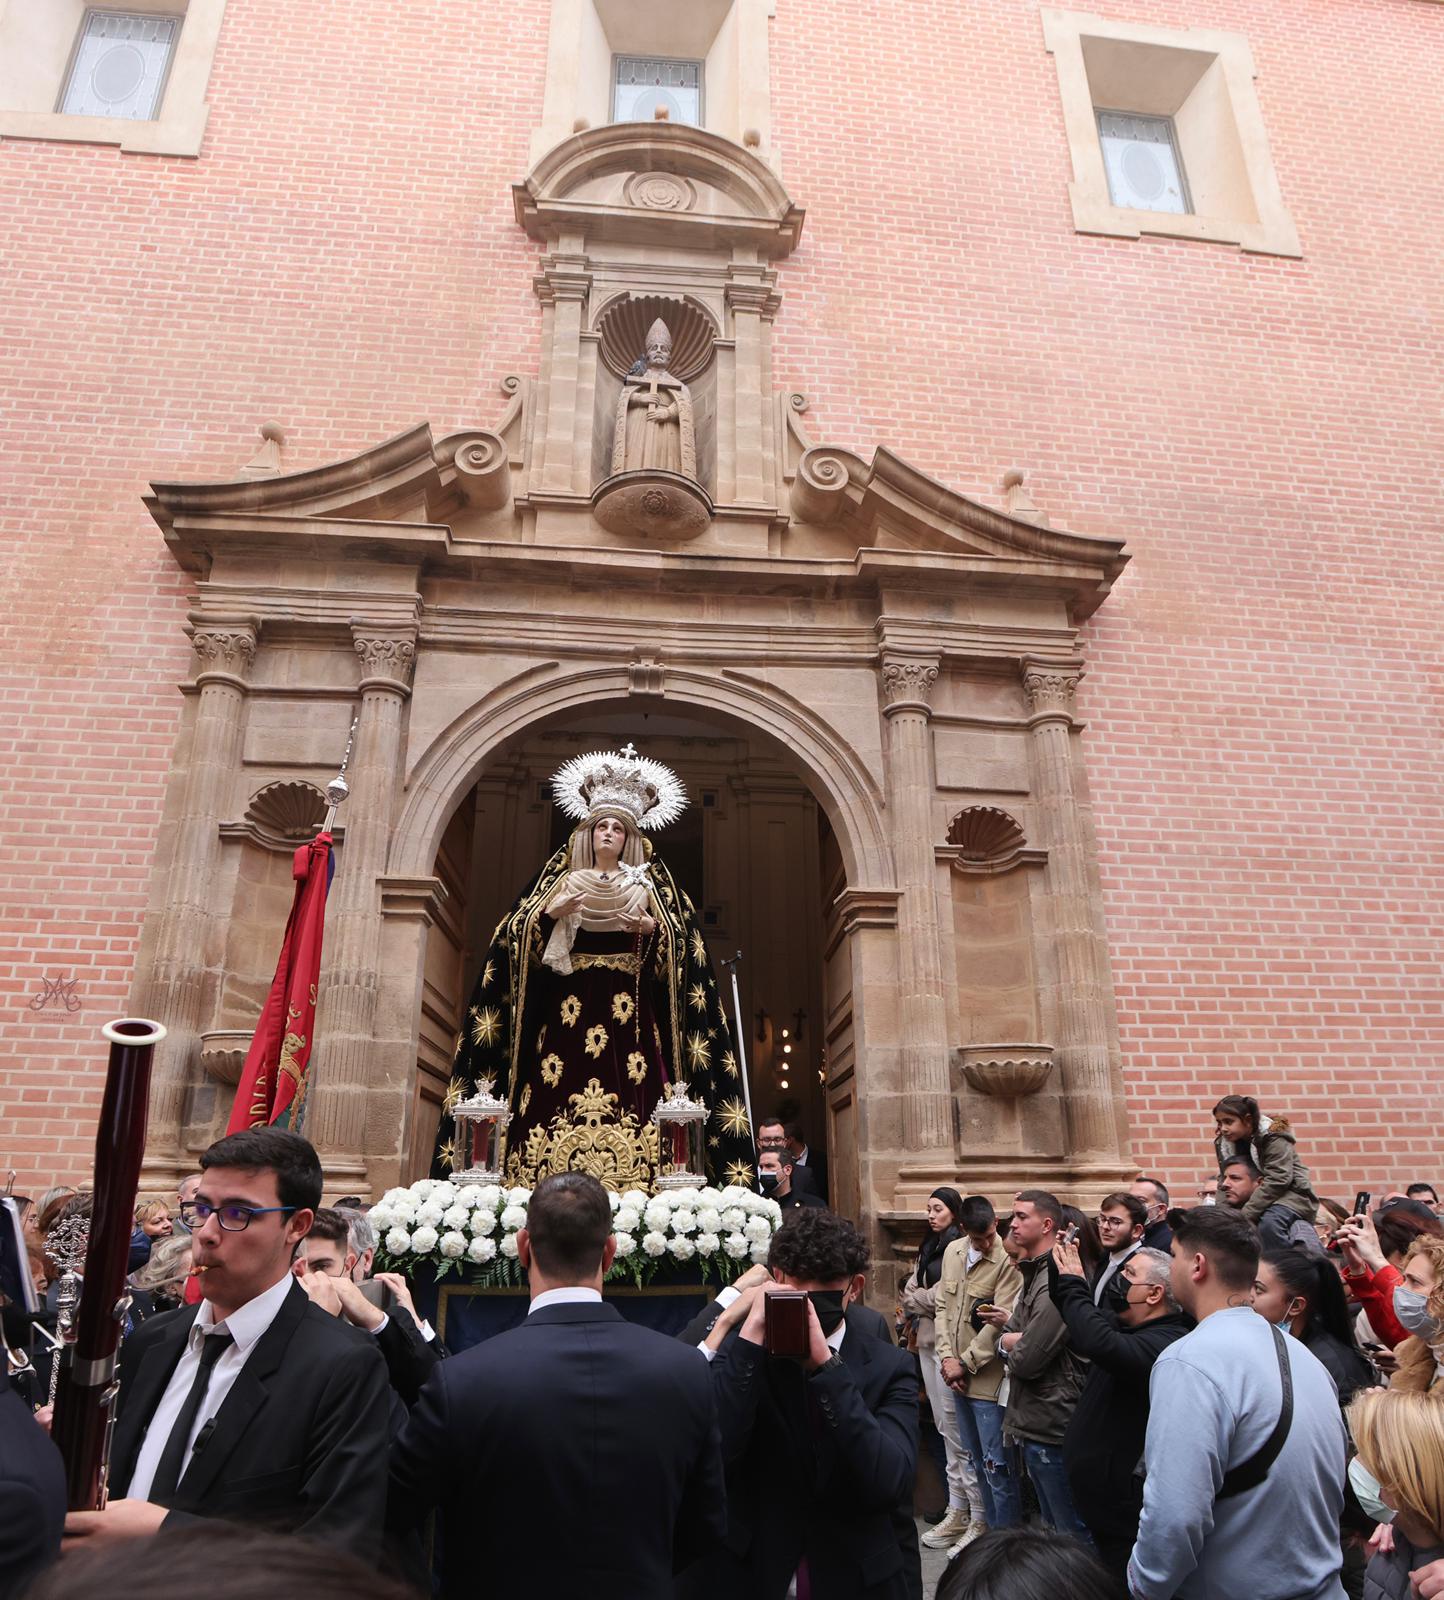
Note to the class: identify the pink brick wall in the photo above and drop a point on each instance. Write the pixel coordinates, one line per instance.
(1263, 698)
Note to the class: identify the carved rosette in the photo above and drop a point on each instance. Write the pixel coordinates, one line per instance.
(224, 650)
(386, 660)
(1050, 687)
(907, 684)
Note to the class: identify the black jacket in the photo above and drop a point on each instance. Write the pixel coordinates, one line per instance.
(299, 1442)
(576, 1454)
(32, 1492)
(870, 1323)
(819, 1467)
(410, 1359)
(1104, 1440)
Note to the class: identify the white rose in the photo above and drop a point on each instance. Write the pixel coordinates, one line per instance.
(736, 1245)
(626, 1244)
(733, 1196)
(707, 1244)
(775, 1212)
(453, 1244)
(398, 1242)
(482, 1250)
(627, 1220)
(508, 1247)
(405, 1206)
(709, 1219)
(655, 1244)
(483, 1222)
(513, 1217)
(637, 1199)
(684, 1222)
(614, 1200)
(752, 1203)
(683, 1249)
(429, 1214)
(517, 1197)
(455, 1216)
(424, 1240)
(758, 1229)
(381, 1218)
(431, 1187)
(488, 1195)
(390, 1198)
(759, 1254)
(733, 1218)
(468, 1195)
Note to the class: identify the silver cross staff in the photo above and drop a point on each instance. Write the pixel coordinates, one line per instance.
(338, 788)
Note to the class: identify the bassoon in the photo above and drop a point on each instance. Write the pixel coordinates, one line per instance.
(85, 1398)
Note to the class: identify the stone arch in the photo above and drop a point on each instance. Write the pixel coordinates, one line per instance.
(847, 792)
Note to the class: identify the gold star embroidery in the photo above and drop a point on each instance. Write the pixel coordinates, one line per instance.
(622, 1006)
(485, 1026)
(729, 1064)
(447, 1153)
(699, 1053)
(551, 1071)
(571, 1010)
(500, 925)
(541, 1039)
(488, 972)
(731, 1116)
(738, 1173)
(525, 1099)
(713, 1142)
(697, 997)
(699, 947)
(596, 1040)
(455, 1090)
(637, 1067)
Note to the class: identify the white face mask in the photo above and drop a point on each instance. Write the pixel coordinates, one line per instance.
(1367, 1490)
(1410, 1308)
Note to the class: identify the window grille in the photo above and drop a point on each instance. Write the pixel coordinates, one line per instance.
(1140, 155)
(642, 83)
(120, 65)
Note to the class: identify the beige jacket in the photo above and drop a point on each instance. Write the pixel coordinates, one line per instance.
(994, 1280)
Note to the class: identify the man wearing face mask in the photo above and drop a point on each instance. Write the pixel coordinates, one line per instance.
(1103, 1443)
(821, 1451)
(774, 1179)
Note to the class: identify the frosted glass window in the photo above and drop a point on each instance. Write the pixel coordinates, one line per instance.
(642, 83)
(1140, 155)
(121, 60)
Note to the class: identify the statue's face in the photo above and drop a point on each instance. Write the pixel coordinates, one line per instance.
(608, 837)
(659, 353)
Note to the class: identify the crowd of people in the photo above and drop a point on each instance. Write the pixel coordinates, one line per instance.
(1143, 1401)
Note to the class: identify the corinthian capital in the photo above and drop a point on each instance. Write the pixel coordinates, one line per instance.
(227, 647)
(1051, 685)
(907, 683)
(389, 657)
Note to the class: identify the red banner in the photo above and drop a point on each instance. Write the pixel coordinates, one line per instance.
(273, 1081)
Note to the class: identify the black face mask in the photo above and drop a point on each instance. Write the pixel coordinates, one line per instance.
(827, 1303)
(767, 1181)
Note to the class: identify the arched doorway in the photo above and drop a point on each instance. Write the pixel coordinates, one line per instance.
(754, 849)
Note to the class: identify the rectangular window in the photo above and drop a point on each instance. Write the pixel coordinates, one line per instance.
(642, 83)
(1140, 156)
(120, 65)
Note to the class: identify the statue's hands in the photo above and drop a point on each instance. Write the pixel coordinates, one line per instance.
(642, 923)
(565, 906)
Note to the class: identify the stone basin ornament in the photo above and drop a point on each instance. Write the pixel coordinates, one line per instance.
(1008, 1071)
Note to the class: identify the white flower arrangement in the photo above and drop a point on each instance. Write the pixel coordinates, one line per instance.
(472, 1228)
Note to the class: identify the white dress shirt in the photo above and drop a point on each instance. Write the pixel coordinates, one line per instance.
(834, 1339)
(245, 1326)
(1115, 1260)
(563, 1297)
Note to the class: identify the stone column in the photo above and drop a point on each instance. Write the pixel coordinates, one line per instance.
(753, 304)
(563, 287)
(1085, 1047)
(336, 1120)
(907, 684)
(174, 990)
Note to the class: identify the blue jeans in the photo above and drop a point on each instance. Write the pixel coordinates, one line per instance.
(981, 1424)
(1045, 1468)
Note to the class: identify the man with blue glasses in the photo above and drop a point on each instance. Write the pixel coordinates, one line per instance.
(254, 1405)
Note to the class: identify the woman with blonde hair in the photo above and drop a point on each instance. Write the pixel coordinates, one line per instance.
(1419, 1306)
(1400, 1441)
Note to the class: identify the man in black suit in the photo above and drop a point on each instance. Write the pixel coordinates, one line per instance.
(821, 1453)
(254, 1405)
(32, 1491)
(577, 1454)
(775, 1174)
(812, 1162)
(772, 1135)
(332, 1272)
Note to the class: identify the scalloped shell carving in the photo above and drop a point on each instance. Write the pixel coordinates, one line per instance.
(623, 326)
(287, 810)
(985, 833)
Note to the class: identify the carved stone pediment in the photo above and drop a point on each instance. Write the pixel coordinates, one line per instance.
(634, 182)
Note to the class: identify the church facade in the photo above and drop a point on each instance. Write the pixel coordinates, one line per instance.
(984, 463)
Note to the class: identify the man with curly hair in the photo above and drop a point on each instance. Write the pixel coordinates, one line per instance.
(821, 1451)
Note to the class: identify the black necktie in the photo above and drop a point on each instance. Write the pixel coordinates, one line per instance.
(173, 1457)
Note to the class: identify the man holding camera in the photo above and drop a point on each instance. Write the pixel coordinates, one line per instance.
(819, 1432)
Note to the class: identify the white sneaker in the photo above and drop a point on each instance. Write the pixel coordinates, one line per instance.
(976, 1529)
(949, 1530)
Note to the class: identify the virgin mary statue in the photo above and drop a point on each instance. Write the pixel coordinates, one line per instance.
(597, 994)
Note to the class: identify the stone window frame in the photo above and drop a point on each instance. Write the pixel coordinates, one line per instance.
(34, 55)
(728, 37)
(1158, 72)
